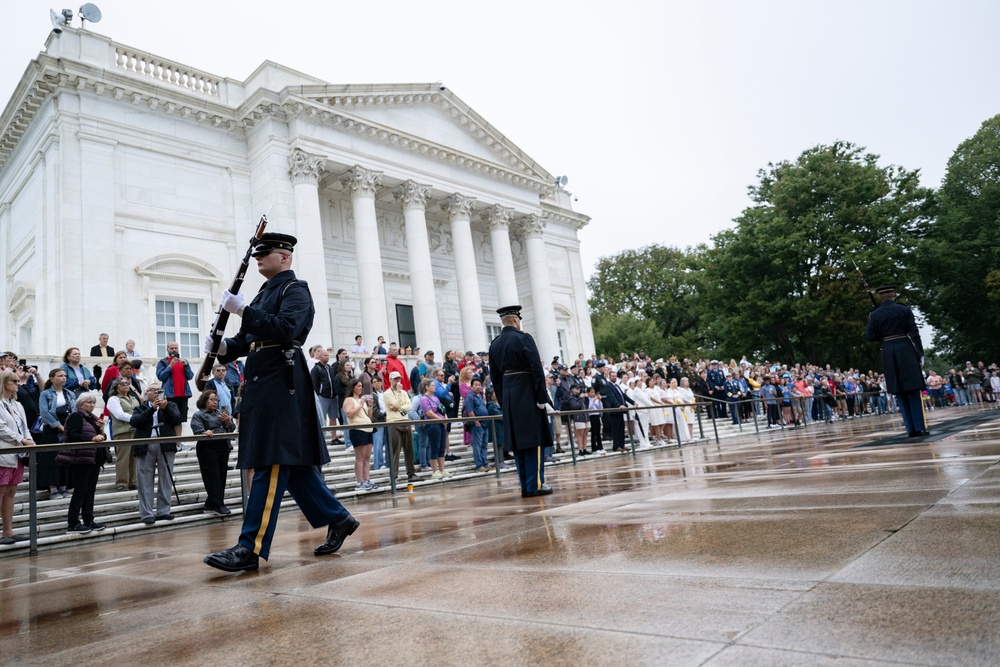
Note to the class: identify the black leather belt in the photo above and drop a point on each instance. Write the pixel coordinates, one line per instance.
(900, 337)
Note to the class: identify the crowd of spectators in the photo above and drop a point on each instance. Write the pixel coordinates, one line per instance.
(595, 400)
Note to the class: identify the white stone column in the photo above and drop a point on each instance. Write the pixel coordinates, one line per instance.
(363, 184)
(459, 210)
(413, 197)
(545, 335)
(310, 259)
(497, 217)
(582, 314)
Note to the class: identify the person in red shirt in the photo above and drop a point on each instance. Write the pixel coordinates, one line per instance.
(392, 363)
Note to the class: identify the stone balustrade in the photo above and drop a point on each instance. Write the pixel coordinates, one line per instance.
(146, 65)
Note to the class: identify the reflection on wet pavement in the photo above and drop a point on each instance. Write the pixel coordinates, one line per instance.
(795, 547)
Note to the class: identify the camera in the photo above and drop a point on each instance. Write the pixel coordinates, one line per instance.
(175, 355)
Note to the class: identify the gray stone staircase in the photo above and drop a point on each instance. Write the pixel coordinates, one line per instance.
(118, 510)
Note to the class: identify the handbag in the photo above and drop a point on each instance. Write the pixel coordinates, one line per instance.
(37, 427)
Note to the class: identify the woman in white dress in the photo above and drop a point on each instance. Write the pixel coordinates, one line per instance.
(638, 394)
(655, 415)
(687, 396)
(672, 396)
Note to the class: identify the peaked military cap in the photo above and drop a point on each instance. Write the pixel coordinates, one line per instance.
(885, 289)
(509, 310)
(274, 241)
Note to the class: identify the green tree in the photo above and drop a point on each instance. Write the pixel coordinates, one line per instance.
(781, 285)
(959, 260)
(648, 299)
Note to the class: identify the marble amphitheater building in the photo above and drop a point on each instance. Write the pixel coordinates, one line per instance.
(130, 186)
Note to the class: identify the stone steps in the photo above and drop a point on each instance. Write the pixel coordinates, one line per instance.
(118, 510)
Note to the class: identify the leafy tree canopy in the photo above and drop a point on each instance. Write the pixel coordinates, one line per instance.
(781, 285)
(959, 260)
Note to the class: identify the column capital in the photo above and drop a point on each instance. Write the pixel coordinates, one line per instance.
(305, 167)
(458, 206)
(533, 225)
(497, 217)
(413, 195)
(361, 182)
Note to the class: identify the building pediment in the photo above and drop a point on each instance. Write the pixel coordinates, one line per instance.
(425, 118)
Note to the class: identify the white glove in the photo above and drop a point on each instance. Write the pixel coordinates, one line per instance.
(207, 346)
(232, 303)
(541, 406)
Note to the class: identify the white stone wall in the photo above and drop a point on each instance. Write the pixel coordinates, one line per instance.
(122, 190)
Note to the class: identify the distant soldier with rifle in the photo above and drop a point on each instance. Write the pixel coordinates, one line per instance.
(893, 325)
(280, 436)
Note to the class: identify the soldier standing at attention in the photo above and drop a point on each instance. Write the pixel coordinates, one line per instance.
(893, 325)
(519, 384)
(280, 435)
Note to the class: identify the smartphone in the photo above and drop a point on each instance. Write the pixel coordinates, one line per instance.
(225, 410)
(160, 395)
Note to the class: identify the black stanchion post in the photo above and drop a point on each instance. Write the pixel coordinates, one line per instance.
(570, 429)
(756, 426)
(497, 450)
(393, 460)
(715, 427)
(701, 426)
(677, 425)
(32, 504)
(631, 436)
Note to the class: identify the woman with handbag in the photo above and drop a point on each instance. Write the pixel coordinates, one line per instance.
(14, 432)
(55, 404)
(84, 463)
(121, 404)
(430, 412)
(213, 455)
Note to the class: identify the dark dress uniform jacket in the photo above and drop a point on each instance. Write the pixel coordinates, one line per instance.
(900, 356)
(516, 373)
(275, 426)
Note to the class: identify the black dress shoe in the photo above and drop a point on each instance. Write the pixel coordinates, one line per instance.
(923, 433)
(336, 535)
(236, 559)
(543, 491)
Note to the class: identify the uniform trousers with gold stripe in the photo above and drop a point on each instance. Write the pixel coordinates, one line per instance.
(530, 468)
(304, 484)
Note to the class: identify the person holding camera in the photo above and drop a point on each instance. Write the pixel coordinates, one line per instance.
(154, 417)
(175, 373)
(55, 404)
(84, 463)
(213, 455)
(358, 407)
(121, 404)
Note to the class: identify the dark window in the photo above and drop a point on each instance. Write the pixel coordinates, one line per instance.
(404, 322)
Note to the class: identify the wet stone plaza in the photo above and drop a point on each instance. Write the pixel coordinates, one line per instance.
(829, 545)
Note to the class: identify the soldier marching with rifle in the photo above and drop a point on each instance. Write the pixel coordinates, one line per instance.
(280, 436)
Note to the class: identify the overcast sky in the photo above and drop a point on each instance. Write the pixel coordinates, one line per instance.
(659, 112)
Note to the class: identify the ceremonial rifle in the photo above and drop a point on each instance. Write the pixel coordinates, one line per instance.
(222, 316)
(864, 282)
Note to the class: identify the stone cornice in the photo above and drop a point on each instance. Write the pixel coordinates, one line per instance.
(138, 78)
(563, 216)
(305, 167)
